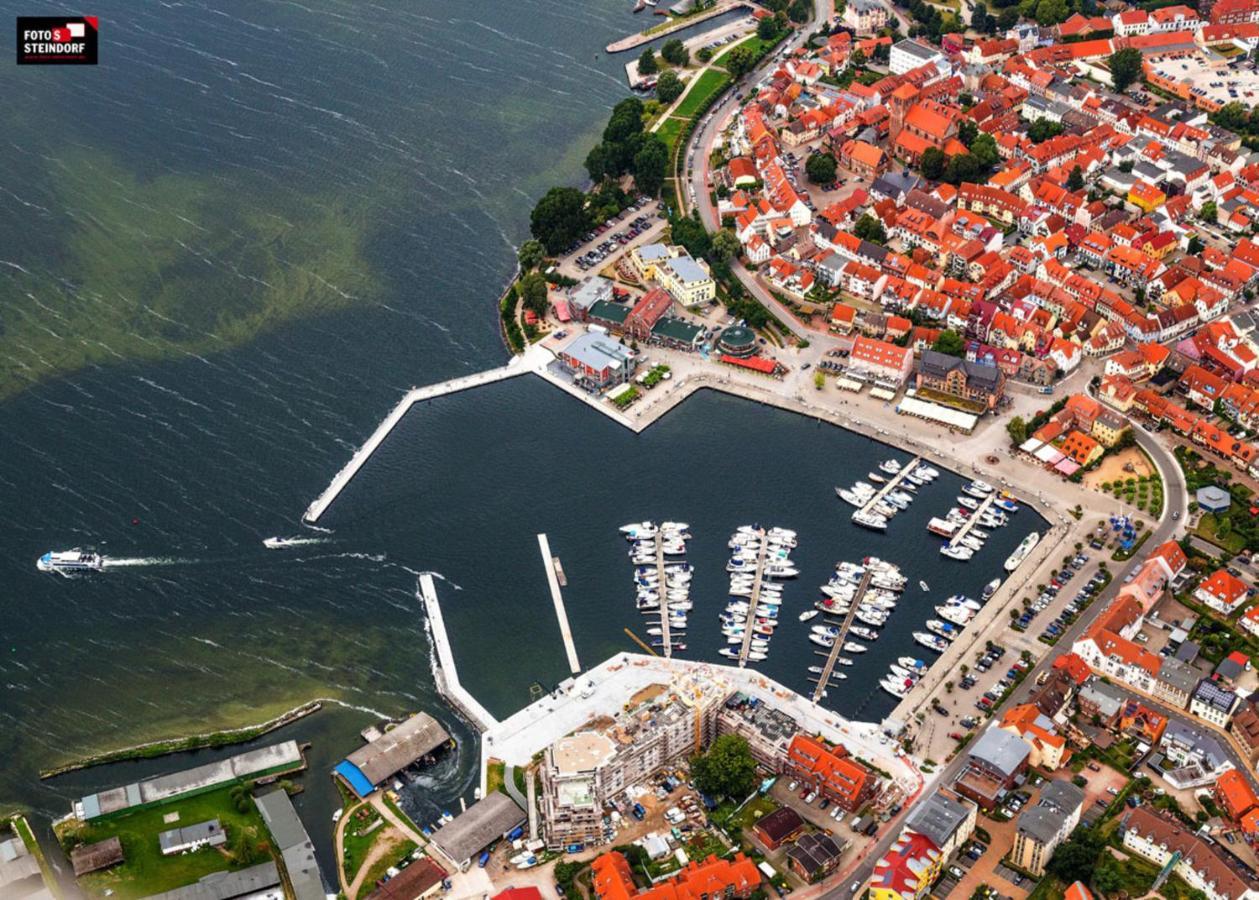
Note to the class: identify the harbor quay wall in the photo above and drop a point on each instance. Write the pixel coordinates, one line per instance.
(517, 365)
(445, 672)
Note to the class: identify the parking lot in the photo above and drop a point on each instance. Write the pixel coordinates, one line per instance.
(614, 236)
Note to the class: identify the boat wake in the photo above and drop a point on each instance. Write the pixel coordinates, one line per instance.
(279, 543)
(442, 577)
(110, 563)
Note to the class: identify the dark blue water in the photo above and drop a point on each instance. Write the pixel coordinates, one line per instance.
(224, 253)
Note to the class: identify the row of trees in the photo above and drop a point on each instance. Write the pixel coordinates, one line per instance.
(672, 52)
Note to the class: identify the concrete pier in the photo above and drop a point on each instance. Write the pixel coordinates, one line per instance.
(558, 599)
(755, 599)
(838, 646)
(973, 519)
(892, 483)
(519, 365)
(445, 672)
(663, 580)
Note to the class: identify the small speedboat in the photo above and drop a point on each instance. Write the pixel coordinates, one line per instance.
(808, 614)
(924, 585)
(854, 647)
(877, 479)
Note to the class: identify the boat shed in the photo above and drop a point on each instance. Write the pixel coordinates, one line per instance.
(406, 743)
(294, 844)
(93, 857)
(477, 827)
(271, 760)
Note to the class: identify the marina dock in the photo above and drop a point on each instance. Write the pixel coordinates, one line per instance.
(973, 518)
(892, 484)
(664, 603)
(519, 365)
(445, 673)
(757, 581)
(557, 598)
(838, 646)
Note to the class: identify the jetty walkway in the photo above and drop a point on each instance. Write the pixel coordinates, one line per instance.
(892, 483)
(663, 581)
(552, 579)
(530, 361)
(829, 666)
(647, 36)
(750, 628)
(973, 519)
(445, 673)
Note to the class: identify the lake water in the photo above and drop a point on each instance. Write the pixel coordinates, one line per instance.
(241, 237)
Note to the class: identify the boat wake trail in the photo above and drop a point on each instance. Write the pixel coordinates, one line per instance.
(442, 577)
(109, 563)
(281, 543)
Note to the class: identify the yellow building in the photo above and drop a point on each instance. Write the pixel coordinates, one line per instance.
(1146, 196)
(1108, 428)
(686, 279)
(908, 869)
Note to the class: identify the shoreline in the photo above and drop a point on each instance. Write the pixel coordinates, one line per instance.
(165, 746)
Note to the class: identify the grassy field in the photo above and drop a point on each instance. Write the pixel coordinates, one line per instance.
(755, 44)
(146, 871)
(669, 131)
(361, 832)
(708, 84)
(1207, 529)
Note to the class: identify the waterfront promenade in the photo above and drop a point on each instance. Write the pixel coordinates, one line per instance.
(445, 672)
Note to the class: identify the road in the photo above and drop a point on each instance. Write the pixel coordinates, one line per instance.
(1177, 503)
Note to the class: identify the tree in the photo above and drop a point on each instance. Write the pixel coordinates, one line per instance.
(1234, 116)
(1042, 130)
(724, 245)
(669, 86)
(984, 149)
(868, 228)
(799, 11)
(647, 64)
(820, 168)
(1008, 18)
(675, 52)
(858, 57)
(767, 29)
(559, 219)
(1209, 212)
(704, 54)
(1075, 857)
(1075, 181)
(650, 165)
(740, 61)
(933, 162)
(950, 342)
(1125, 68)
(691, 234)
(1017, 429)
(967, 131)
(1195, 245)
(533, 293)
(531, 254)
(599, 163)
(963, 167)
(727, 769)
(1051, 12)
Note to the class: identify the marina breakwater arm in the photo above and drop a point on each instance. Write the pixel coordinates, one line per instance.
(532, 359)
(445, 673)
(548, 561)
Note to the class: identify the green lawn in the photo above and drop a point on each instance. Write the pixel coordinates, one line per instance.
(1207, 529)
(146, 871)
(360, 833)
(708, 84)
(755, 44)
(392, 858)
(669, 131)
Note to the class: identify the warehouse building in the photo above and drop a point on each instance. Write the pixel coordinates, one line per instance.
(482, 823)
(388, 754)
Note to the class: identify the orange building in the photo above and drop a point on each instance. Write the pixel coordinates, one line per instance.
(1235, 795)
(707, 880)
(830, 772)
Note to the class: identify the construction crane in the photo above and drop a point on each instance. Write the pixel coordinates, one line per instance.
(639, 641)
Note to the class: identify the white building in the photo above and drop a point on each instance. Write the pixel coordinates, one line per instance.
(910, 54)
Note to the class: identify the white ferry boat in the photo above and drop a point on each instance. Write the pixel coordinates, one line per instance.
(70, 561)
(1022, 551)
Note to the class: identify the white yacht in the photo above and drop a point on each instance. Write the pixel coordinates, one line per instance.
(66, 561)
